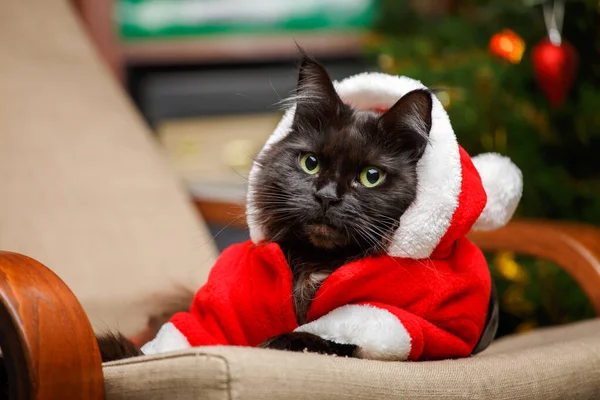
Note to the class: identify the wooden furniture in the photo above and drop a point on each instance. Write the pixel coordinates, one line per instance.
(50, 348)
(48, 344)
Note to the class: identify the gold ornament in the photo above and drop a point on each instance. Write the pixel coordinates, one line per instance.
(509, 269)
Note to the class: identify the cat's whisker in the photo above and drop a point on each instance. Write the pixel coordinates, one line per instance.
(273, 205)
(374, 218)
(239, 173)
(374, 228)
(378, 215)
(273, 201)
(368, 238)
(273, 193)
(383, 249)
(384, 237)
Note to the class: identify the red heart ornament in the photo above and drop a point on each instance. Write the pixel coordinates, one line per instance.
(555, 67)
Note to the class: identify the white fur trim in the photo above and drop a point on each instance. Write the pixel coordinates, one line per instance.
(426, 221)
(167, 339)
(503, 184)
(256, 231)
(377, 332)
(281, 131)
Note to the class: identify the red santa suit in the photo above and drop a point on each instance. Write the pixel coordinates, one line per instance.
(427, 298)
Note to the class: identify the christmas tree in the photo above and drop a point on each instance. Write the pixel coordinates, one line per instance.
(490, 60)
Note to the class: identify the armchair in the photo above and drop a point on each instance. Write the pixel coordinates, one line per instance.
(85, 191)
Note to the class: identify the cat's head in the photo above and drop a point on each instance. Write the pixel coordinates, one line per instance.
(341, 178)
(336, 174)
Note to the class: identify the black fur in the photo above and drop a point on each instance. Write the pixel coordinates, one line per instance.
(116, 346)
(302, 341)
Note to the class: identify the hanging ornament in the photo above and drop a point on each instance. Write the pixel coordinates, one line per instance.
(554, 59)
(508, 46)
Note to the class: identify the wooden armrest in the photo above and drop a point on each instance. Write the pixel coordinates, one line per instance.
(48, 344)
(574, 247)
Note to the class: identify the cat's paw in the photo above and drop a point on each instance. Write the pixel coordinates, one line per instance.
(308, 343)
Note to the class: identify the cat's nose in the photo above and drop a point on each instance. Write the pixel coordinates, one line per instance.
(327, 196)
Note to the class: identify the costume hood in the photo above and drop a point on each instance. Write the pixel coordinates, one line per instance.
(455, 193)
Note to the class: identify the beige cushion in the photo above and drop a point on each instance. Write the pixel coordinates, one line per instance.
(557, 363)
(85, 189)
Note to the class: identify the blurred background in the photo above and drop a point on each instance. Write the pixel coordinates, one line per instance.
(518, 77)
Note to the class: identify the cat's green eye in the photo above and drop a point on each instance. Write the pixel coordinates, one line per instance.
(310, 163)
(371, 177)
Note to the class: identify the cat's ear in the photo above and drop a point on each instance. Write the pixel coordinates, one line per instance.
(409, 122)
(315, 97)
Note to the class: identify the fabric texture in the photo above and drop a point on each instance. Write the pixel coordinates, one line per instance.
(441, 303)
(547, 364)
(85, 189)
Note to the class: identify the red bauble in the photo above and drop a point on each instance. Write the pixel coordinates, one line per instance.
(555, 67)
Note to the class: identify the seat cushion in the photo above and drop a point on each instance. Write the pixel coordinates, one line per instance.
(85, 188)
(555, 363)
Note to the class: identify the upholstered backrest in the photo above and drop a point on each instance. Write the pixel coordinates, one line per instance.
(84, 187)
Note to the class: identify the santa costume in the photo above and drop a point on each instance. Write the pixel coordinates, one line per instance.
(427, 298)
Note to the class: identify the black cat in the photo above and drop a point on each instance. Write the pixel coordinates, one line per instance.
(331, 191)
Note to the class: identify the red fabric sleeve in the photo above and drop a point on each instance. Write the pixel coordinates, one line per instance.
(246, 300)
